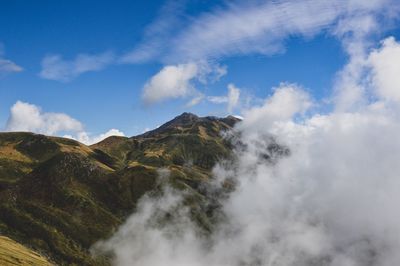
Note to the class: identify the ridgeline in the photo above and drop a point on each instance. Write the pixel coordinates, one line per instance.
(58, 196)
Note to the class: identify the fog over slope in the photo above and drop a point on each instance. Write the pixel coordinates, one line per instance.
(332, 199)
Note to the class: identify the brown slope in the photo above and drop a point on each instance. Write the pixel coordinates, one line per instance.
(13, 253)
(60, 196)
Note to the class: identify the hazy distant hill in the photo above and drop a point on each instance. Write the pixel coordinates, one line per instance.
(59, 196)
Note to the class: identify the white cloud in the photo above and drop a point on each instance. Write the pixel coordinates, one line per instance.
(261, 27)
(231, 99)
(156, 34)
(177, 81)
(54, 67)
(252, 27)
(87, 139)
(195, 100)
(29, 117)
(7, 66)
(354, 34)
(217, 99)
(235, 28)
(332, 199)
(171, 82)
(146, 129)
(385, 64)
(287, 100)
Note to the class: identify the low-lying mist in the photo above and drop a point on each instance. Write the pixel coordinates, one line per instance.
(331, 199)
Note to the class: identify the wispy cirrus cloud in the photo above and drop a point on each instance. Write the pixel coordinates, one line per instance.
(231, 99)
(7, 66)
(154, 38)
(54, 67)
(256, 27)
(152, 45)
(178, 39)
(262, 27)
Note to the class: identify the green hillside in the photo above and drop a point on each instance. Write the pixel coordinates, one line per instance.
(59, 196)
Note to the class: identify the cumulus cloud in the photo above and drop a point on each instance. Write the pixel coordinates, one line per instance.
(88, 139)
(7, 66)
(30, 118)
(177, 81)
(170, 82)
(386, 69)
(287, 100)
(54, 67)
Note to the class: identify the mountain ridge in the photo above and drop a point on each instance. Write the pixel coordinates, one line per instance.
(60, 196)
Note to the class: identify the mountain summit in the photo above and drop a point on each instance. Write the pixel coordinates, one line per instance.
(189, 120)
(59, 196)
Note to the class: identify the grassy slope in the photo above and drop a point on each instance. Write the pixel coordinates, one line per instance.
(12, 253)
(60, 196)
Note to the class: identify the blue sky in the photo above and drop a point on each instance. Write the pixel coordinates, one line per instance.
(101, 54)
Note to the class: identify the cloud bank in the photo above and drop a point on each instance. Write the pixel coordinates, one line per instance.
(331, 199)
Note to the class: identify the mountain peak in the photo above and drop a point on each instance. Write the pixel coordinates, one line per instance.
(185, 118)
(189, 120)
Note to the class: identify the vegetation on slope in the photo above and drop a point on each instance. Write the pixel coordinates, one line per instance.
(13, 253)
(59, 196)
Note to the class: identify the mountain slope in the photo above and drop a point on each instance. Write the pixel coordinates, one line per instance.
(185, 139)
(12, 253)
(60, 196)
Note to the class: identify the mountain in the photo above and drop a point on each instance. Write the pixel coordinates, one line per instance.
(58, 196)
